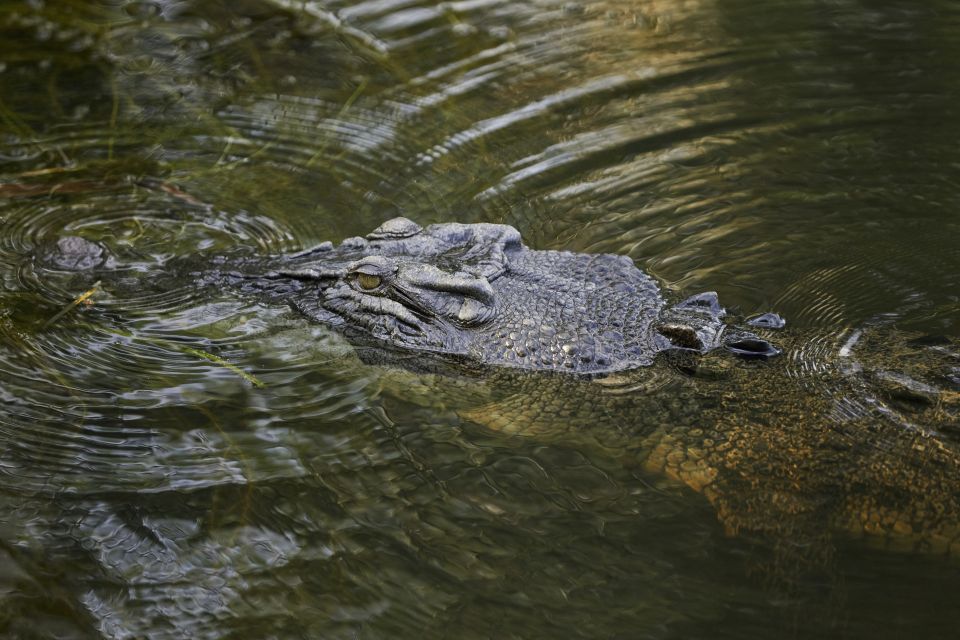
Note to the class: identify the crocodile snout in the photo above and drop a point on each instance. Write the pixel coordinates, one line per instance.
(73, 253)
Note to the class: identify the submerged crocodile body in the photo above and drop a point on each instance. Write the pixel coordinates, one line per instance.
(868, 448)
(476, 293)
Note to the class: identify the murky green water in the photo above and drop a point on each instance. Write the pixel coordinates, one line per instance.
(799, 157)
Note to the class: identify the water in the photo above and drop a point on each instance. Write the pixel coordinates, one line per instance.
(179, 464)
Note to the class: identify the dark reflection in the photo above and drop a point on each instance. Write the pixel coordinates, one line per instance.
(176, 462)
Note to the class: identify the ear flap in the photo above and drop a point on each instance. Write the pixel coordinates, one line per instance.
(462, 296)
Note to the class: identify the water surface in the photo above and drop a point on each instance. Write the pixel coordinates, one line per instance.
(180, 464)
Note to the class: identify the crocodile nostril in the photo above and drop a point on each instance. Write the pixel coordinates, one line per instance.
(768, 321)
(751, 347)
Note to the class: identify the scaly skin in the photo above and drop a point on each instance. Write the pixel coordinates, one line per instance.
(844, 455)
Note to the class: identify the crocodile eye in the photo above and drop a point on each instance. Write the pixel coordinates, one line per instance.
(368, 282)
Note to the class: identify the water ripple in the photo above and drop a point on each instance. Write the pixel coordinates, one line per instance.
(183, 463)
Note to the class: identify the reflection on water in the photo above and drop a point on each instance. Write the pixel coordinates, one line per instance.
(795, 157)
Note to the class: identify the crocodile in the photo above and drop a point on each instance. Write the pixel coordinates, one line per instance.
(575, 347)
(472, 292)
